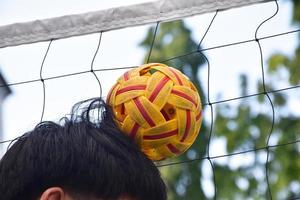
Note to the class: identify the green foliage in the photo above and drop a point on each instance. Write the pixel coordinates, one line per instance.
(243, 125)
(291, 64)
(276, 61)
(296, 13)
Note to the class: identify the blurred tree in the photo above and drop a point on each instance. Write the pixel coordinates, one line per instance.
(242, 125)
(174, 38)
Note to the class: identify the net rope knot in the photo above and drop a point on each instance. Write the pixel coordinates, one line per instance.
(159, 108)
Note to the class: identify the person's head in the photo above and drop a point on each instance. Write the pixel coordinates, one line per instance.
(80, 158)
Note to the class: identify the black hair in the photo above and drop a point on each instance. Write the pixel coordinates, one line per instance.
(85, 154)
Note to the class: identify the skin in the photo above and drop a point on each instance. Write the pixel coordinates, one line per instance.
(57, 193)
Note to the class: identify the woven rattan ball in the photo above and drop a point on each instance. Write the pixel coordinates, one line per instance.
(159, 108)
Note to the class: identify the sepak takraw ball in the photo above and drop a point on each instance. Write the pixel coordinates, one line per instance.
(159, 108)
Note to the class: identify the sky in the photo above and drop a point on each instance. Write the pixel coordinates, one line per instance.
(119, 48)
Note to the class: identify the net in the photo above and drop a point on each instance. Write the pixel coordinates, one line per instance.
(250, 102)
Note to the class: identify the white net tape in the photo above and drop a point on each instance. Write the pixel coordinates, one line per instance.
(114, 18)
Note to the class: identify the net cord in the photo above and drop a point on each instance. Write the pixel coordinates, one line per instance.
(102, 68)
(210, 106)
(269, 193)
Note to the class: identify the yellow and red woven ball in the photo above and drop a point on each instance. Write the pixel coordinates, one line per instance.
(159, 108)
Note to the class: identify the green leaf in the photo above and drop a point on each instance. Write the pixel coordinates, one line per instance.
(275, 61)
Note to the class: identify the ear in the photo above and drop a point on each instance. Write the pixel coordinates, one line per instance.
(53, 193)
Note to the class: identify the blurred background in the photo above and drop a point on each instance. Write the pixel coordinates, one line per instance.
(239, 120)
